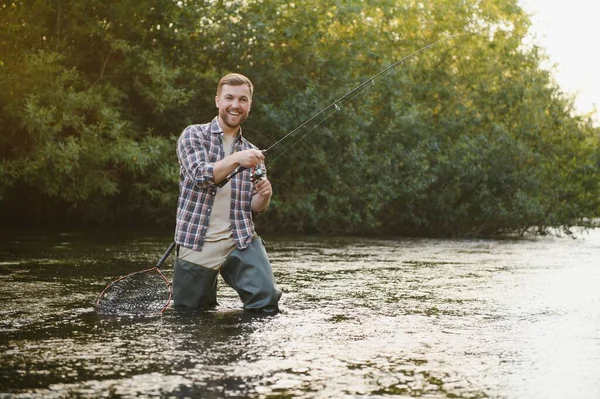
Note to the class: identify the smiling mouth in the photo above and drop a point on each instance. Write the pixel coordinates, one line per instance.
(234, 113)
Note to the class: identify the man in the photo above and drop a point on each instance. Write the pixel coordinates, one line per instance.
(214, 231)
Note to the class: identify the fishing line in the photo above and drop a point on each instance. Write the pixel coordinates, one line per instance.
(333, 108)
(336, 107)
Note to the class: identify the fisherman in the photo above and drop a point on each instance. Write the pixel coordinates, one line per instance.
(215, 230)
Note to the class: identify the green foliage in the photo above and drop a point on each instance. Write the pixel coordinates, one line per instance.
(470, 137)
(84, 88)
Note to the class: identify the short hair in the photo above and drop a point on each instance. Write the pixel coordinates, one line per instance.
(235, 79)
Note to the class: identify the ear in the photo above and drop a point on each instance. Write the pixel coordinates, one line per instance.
(217, 101)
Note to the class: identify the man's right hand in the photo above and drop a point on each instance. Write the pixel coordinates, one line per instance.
(249, 158)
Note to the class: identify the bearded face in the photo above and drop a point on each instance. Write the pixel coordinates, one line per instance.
(234, 104)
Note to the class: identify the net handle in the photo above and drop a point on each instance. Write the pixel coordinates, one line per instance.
(166, 255)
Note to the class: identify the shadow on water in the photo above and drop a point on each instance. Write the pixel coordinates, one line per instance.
(360, 318)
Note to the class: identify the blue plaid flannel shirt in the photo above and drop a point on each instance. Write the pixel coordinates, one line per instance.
(198, 148)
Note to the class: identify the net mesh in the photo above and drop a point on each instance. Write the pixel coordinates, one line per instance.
(142, 292)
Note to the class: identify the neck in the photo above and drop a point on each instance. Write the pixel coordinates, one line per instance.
(230, 131)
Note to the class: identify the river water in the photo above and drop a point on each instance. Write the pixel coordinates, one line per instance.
(361, 318)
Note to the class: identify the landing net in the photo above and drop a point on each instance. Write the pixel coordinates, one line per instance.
(144, 292)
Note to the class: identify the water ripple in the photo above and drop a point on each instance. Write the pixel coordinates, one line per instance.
(361, 318)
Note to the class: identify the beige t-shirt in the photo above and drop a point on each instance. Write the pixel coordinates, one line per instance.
(219, 223)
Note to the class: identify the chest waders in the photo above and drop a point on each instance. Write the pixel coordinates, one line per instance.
(247, 271)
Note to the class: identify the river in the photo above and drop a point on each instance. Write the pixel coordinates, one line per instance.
(361, 318)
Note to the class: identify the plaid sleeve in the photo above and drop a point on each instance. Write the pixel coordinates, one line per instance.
(194, 158)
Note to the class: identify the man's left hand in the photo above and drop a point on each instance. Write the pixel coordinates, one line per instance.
(263, 187)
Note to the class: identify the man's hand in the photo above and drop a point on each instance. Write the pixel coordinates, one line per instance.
(263, 187)
(263, 193)
(249, 158)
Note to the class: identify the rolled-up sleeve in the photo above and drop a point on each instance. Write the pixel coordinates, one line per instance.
(193, 157)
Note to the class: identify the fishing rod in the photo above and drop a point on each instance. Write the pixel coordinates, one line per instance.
(330, 110)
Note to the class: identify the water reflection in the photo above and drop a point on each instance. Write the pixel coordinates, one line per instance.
(361, 318)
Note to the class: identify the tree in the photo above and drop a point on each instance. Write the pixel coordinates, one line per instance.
(471, 136)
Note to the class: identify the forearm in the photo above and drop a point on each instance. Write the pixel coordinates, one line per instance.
(224, 167)
(260, 203)
(246, 158)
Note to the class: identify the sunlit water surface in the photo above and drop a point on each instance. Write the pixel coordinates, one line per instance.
(361, 318)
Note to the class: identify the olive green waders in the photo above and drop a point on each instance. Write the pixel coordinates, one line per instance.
(247, 271)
